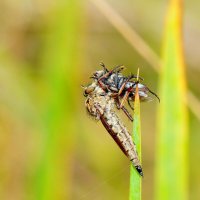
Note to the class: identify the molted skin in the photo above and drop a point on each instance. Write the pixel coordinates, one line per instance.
(100, 105)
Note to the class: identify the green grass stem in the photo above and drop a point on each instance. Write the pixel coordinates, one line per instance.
(135, 178)
(59, 61)
(171, 158)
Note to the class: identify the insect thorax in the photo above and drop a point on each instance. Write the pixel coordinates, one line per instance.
(98, 102)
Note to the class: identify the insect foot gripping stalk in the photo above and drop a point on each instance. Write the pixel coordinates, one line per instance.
(101, 105)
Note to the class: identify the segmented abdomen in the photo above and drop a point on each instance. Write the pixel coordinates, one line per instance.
(101, 106)
(122, 137)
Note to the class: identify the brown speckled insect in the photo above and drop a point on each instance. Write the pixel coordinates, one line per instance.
(111, 89)
(100, 105)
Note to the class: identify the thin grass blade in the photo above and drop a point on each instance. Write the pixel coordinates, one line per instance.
(60, 66)
(135, 178)
(172, 161)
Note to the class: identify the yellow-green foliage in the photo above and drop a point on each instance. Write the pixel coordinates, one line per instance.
(60, 66)
(49, 148)
(171, 164)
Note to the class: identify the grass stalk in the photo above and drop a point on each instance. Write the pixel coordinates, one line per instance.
(59, 61)
(135, 178)
(172, 161)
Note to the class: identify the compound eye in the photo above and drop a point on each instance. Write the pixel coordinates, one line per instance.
(89, 90)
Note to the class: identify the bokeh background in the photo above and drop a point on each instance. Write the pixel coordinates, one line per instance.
(49, 147)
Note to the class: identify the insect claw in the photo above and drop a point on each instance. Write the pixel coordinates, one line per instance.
(104, 67)
(141, 78)
(139, 170)
(119, 68)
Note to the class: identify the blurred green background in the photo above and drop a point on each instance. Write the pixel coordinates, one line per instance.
(49, 147)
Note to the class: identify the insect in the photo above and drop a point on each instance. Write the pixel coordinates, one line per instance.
(122, 87)
(110, 89)
(100, 105)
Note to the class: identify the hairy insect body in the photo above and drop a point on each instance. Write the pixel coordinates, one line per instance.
(116, 82)
(101, 105)
(97, 101)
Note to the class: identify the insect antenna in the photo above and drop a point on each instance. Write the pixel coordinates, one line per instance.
(154, 94)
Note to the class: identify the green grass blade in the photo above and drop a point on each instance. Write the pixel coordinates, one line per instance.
(60, 67)
(171, 166)
(135, 178)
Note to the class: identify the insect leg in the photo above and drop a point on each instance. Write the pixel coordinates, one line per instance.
(129, 103)
(102, 85)
(124, 84)
(124, 98)
(104, 67)
(124, 109)
(110, 72)
(127, 113)
(118, 103)
(122, 88)
(135, 76)
(114, 95)
(118, 68)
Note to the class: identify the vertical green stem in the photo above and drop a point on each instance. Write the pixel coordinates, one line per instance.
(171, 166)
(135, 178)
(60, 67)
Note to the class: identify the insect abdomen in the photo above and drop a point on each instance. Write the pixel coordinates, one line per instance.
(101, 106)
(122, 137)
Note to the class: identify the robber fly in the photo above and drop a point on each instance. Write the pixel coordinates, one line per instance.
(110, 89)
(100, 105)
(122, 87)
